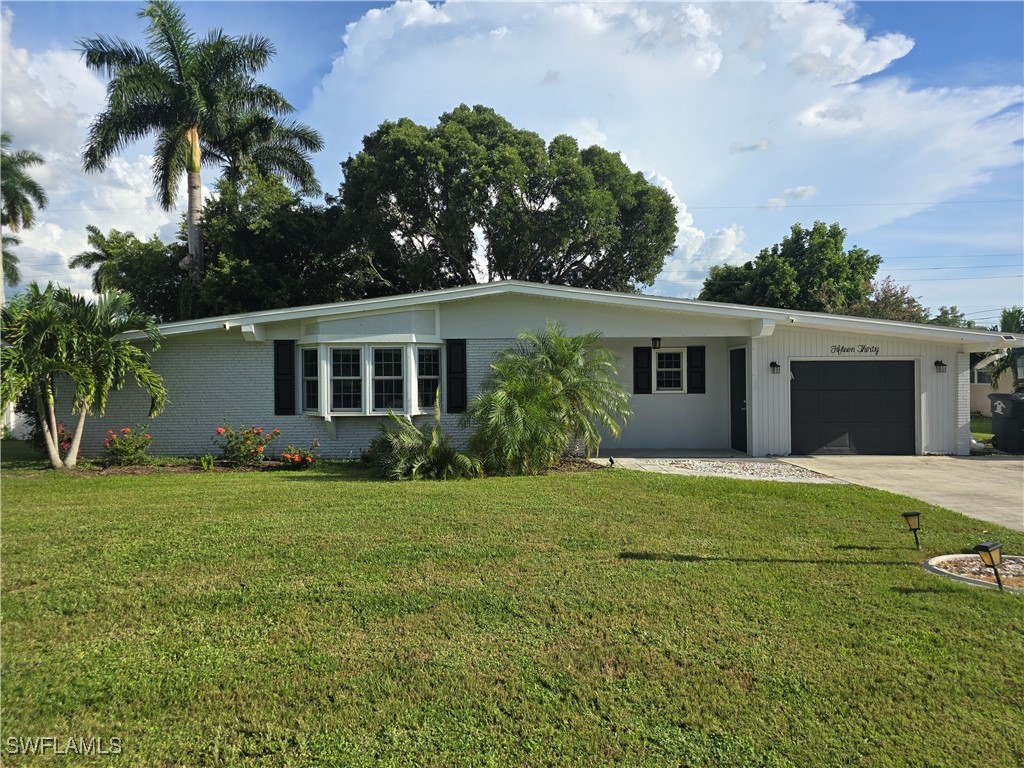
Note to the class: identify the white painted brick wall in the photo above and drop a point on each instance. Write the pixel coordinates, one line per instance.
(216, 377)
(963, 404)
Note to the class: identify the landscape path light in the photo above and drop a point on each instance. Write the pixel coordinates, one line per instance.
(991, 554)
(914, 523)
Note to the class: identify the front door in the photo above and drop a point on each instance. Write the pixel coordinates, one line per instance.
(738, 399)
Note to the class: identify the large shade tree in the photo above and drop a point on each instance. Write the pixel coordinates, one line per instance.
(476, 198)
(20, 195)
(201, 100)
(811, 270)
(52, 335)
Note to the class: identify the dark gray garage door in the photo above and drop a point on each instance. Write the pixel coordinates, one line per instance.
(848, 406)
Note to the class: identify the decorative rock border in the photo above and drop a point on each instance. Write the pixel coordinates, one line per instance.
(935, 566)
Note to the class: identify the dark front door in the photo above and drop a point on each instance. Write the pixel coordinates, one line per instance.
(847, 406)
(738, 399)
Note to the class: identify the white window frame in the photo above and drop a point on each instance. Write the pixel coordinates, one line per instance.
(332, 378)
(306, 408)
(682, 371)
(403, 361)
(440, 375)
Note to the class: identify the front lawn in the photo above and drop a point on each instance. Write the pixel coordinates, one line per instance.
(589, 619)
(981, 429)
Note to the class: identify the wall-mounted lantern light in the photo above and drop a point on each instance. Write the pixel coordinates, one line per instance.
(776, 368)
(656, 342)
(991, 555)
(940, 367)
(914, 524)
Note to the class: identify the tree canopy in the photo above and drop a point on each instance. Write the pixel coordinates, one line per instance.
(810, 270)
(426, 207)
(20, 195)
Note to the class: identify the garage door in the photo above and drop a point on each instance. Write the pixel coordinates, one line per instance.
(848, 406)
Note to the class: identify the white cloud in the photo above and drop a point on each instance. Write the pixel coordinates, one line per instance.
(727, 105)
(49, 99)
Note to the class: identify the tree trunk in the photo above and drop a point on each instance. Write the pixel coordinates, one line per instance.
(195, 204)
(72, 458)
(49, 433)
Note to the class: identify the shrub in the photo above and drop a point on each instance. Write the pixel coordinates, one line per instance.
(546, 392)
(127, 446)
(246, 445)
(403, 451)
(300, 458)
(206, 462)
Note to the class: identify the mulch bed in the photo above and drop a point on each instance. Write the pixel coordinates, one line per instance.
(574, 464)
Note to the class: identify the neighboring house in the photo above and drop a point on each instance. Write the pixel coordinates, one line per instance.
(981, 386)
(702, 375)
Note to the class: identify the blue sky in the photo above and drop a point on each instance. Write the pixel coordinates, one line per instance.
(901, 121)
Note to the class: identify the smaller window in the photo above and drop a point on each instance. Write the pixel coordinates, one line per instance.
(429, 376)
(310, 380)
(388, 381)
(982, 377)
(668, 375)
(346, 380)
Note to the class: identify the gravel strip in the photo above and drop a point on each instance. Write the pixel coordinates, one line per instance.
(755, 470)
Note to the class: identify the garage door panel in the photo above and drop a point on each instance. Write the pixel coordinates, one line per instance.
(850, 406)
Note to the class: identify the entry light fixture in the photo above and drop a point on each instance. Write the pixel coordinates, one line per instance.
(914, 524)
(656, 342)
(940, 367)
(991, 555)
(776, 368)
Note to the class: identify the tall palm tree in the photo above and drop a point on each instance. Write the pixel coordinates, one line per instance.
(189, 92)
(12, 274)
(52, 332)
(20, 195)
(100, 256)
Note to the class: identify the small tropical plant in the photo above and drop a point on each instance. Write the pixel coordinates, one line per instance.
(546, 393)
(245, 446)
(127, 446)
(402, 451)
(206, 462)
(300, 458)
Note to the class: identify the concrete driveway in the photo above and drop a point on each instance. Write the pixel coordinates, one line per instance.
(983, 487)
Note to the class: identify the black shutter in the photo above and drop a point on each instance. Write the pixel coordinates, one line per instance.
(641, 370)
(696, 380)
(455, 391)
(284, 378)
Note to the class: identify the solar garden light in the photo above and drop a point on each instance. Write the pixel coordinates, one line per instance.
(914, 523)
(991, 555)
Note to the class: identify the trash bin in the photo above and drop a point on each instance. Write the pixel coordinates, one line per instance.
(1008, 421)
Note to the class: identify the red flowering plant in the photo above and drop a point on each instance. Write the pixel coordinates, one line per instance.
(127, 446)
(300, 458)
(64, 438)
(245, 445)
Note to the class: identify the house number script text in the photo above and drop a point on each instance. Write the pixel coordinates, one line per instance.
(860, 349)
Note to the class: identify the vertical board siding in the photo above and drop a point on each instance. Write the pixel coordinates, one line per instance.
(939, 416)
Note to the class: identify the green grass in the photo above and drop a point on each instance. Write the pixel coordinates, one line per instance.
(606, 618)
(981, 429)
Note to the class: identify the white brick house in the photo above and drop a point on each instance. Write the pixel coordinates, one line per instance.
(702, 375)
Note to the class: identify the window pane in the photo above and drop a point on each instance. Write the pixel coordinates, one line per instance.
(429, 362)
(427, 392)
(346, 394)
(310, 394)
(669, 359)
(387, 362)
(387, 393)
(309, 363)
(670, 380)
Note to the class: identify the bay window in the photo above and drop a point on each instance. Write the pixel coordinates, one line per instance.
(346, 379)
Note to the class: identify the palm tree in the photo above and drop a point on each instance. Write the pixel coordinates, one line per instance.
(189, 92)
(20, 195)
(1011, 320)
(11, 272)
(53, 333)
(101, 256)
(545, 392)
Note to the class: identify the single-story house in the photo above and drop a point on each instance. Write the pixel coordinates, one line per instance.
(702, 375)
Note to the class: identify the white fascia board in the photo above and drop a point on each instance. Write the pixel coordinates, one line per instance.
(816, 320)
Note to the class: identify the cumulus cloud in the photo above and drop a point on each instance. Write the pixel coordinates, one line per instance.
(49, 99)
(724, 104)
